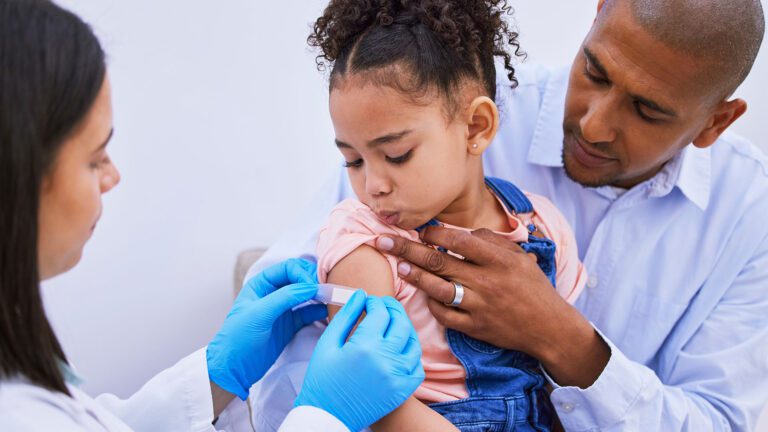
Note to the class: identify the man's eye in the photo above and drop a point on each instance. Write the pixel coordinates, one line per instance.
(640, 112)
(595, 79)
(400, 159)
(354, 164)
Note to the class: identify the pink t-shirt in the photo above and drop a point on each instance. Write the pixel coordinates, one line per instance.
(352, 224)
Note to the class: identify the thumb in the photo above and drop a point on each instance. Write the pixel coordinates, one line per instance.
(338, 330)
(286, 298)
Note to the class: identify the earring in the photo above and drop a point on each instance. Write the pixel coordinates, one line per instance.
(474, 146)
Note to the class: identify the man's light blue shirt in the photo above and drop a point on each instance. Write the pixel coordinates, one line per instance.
(678, 267)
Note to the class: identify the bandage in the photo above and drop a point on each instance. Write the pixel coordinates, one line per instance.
(333, 294)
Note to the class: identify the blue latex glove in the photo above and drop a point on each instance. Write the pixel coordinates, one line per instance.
(365, 378)
(261, 324)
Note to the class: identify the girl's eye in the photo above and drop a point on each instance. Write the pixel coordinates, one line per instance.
(400, 159)
(354, 164)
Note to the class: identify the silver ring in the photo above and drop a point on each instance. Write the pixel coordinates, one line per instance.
(458, 295)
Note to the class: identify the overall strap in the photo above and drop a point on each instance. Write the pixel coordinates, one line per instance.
(513, 198)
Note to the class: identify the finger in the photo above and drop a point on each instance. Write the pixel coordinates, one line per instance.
(376, 320)
(428, 258)
(345, 320)
(285, 273)
(400, 327)
(451, 317)
(497, 240)
(309, 314)
(437, 288)
(281, 301)
(412, 355)
(473, 248)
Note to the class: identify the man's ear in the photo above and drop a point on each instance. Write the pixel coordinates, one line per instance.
(482, 124)
(725, 114)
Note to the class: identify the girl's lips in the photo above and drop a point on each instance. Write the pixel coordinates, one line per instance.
(390, 218)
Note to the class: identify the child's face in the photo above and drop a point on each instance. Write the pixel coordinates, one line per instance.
(407, 161)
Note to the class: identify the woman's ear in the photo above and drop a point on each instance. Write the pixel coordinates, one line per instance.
(721, 119)
(482, 125)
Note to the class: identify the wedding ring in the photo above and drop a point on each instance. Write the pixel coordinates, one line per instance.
(458, 295)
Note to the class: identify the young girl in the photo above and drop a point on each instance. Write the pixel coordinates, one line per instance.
(412, 89)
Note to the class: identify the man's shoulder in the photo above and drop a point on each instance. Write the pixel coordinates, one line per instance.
(739, 178)
(532, 81)
(737, 159)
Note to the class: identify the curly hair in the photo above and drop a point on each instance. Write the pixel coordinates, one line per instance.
(441, 43)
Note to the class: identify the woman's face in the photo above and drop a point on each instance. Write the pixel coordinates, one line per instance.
(70, 201)
(406, 161)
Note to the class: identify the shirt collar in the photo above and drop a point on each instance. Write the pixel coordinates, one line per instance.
(690, 171)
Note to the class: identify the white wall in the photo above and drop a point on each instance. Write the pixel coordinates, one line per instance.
(221, 134)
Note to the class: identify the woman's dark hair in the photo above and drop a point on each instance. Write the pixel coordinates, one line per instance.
(439, 43)
(52, 67)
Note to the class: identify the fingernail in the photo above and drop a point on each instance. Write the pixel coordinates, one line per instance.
(404, 269)
(385, 243)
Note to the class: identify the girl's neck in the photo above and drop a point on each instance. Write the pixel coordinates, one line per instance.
(477, 207)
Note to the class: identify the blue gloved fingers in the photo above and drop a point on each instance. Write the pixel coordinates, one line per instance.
(285, 273)
(342, 324)
(283, 300)
(412, 355)
(375, 323)
(308, 315)
(400, 327)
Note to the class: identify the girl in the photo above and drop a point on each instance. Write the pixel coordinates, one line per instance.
(412, 89)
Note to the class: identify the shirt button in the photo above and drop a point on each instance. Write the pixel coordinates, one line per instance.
(592, 281)
(567, 407)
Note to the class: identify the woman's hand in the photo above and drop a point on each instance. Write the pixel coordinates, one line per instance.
(361, 378)
(508, 300)
(261, 323)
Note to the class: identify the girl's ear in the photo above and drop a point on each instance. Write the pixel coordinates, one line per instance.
(482, 124)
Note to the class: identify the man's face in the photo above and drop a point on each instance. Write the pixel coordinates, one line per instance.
(632, 105)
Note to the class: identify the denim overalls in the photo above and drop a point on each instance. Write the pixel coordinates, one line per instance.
(506, 388)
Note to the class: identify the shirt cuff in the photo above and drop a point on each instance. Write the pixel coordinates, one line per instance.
(605, 402)
(311, 419)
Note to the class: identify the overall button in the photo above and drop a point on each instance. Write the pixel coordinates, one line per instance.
(592, 281)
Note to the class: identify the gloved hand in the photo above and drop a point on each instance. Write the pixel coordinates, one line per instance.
(261, 324)
(365, 378)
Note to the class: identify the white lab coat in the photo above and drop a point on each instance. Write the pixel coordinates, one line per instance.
(177, 399)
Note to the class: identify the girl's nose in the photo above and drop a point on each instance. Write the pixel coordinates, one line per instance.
(376, 184)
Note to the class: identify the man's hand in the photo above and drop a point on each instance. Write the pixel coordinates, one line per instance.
(508, 300)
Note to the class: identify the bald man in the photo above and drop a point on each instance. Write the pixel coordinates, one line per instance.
(670, 213)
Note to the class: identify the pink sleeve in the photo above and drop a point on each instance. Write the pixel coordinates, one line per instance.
(571, 274)
(351, 225)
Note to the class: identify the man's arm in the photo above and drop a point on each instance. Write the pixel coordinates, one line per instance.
(716, 382)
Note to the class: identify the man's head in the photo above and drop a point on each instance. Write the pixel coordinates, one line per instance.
(651, 77)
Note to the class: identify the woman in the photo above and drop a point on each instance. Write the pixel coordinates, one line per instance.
(55, 123)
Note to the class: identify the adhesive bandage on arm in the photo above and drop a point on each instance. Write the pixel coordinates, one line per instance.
(332, 294)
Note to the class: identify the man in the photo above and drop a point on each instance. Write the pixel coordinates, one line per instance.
(669, 213)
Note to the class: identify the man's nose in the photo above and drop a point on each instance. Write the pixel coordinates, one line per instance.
(598, 124)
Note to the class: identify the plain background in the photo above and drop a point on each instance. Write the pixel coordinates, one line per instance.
(221, 134)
